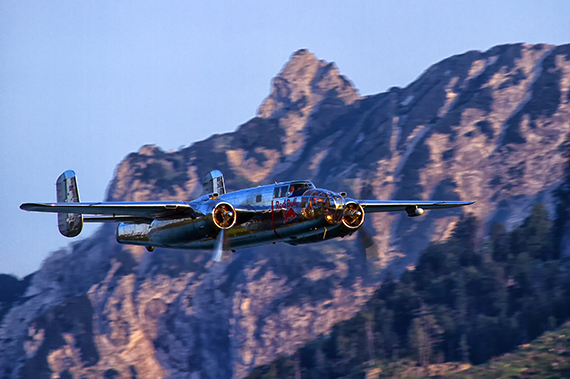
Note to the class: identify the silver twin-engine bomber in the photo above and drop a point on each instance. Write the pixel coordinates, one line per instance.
(294, 212)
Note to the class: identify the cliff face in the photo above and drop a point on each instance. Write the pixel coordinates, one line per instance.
(487, 126)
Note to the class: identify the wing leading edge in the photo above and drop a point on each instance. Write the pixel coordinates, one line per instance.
(395, 205)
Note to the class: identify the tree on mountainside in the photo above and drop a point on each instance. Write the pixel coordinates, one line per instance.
(369, 330)
(534, 236)
(499, 239)
(562, 195)
(424, 335)
(385, 319)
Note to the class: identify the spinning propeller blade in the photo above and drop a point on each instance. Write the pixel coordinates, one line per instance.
(219, 246)
(225, 218)
(369, 252)
(369, 249)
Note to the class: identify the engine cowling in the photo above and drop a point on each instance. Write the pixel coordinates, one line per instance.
(224, 215)
(353, 215)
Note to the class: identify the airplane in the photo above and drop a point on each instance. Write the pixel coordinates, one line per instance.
(295, 212)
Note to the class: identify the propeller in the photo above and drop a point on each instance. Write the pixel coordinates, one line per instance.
(369, 250)
(218, 252)
(224, 216)
(353, 218)
(353, 215)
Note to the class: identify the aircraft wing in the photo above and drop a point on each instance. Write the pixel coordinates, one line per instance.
(396, 205)
(142, 209)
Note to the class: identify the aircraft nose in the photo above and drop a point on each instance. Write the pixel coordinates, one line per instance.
(334, 208)
(327, 204)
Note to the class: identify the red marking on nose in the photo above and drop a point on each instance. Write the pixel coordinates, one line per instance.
(289, 215)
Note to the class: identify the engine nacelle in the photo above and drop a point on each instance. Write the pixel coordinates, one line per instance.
(132, 233)
(172, 232)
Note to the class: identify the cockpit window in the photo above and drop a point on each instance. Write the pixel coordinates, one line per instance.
(298, 188)
(293, 189)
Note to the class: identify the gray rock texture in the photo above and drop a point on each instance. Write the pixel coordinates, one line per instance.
(487, 126)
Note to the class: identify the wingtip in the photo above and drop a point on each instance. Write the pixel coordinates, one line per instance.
(35, 207)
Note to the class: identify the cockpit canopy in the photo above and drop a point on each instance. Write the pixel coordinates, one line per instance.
(292, 189)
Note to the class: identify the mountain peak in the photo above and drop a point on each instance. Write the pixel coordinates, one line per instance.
(303, 83)
(300, 58)
(303, 53)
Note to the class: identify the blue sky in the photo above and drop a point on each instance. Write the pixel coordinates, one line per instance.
(83, 84)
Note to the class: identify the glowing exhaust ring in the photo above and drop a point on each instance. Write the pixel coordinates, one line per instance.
(353, 215)
(224, 215)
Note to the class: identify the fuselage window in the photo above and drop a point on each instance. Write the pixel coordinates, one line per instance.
(258, 198)
(280, 191)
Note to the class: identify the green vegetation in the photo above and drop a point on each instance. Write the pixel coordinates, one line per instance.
(468, 300)
(562, 222)
(547, 357)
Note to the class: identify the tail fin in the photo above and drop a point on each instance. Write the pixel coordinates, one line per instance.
(214, 183)
(70, 224)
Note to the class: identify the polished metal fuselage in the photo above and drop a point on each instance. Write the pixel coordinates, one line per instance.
(265, 214)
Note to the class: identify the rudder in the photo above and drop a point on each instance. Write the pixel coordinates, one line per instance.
(214, 183)
(69, 224)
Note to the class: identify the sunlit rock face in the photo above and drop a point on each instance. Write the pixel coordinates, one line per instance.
(486, 126)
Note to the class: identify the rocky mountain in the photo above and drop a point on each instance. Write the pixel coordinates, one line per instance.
(487, 126)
